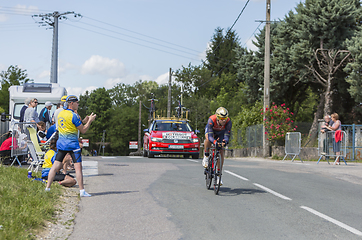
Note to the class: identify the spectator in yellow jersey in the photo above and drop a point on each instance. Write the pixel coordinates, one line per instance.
(68, 125)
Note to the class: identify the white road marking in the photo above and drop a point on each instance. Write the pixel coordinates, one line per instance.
(338, 223)
(135, 157)
(272, 192)
(90, 168)
(235, 175)
(108, 157)
(192, 160)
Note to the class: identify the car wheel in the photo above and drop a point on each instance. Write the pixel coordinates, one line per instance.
(150, 155)
(144, 153)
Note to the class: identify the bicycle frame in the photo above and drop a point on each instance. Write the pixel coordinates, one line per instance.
(212, 171)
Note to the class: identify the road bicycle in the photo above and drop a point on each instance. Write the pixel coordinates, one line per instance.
(212, 172)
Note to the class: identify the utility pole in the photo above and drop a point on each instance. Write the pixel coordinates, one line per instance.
(52, 20)
(169, 95)
(139, 127)
(266, 151)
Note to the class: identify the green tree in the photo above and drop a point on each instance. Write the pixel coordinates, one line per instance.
(100, 103)
(322, 27)
(250, 72)
(220, 57)
(354, 68)
(12, 76)
(122, 128)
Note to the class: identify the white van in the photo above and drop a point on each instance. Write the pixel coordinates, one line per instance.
(42, 91)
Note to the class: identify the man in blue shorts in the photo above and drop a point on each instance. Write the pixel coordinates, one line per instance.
(69, 123)
(218, 129)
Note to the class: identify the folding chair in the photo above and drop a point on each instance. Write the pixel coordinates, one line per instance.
(37, 162)
(35, 151)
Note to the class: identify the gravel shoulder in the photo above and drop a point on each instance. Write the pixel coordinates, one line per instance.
(63, 224)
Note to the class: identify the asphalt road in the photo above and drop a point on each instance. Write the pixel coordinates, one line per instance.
(162, 198)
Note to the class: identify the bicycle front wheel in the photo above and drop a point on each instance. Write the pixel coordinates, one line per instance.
(217, 180)
(208, 175)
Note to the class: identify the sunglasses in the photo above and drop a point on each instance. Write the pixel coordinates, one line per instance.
(35, 102)
(222, 118)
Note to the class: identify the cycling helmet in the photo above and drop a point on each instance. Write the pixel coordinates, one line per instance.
(221, 113)
(72, 98)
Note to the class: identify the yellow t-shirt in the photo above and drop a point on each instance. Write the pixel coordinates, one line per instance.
(48, 163)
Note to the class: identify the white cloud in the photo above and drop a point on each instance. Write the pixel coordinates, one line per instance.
(162, 79)
(77, 91)
(202, 55)
(23, 9)
(3, 67)
(104, 66)
(3, 17)
(63, 66)
(250, 45)
(111, 82)
(44, 74)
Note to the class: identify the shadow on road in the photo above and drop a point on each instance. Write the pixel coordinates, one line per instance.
(104, 174)
(112, 192)
(224, 191)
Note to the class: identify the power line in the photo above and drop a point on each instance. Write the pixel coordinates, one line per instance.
(135, 38)
(140, 34)
(132, 42)
(252, 34)
(239, 14)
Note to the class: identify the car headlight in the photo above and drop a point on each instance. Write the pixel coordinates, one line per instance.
(194, 140)
(154, 139)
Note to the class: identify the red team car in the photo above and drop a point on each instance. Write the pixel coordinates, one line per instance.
(170, 136)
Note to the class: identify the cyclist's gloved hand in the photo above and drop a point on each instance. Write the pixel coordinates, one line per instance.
(223, 143)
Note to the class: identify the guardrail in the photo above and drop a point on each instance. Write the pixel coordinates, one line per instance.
(333, 144)
(293, 145)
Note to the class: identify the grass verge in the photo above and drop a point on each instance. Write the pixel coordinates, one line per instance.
(24, 205)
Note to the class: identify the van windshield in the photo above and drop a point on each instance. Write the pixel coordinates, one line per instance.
(18, 107)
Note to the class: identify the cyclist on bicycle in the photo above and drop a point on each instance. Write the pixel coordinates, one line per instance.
(218, 129)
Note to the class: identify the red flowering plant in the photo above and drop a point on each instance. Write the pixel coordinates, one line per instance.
(278, 121)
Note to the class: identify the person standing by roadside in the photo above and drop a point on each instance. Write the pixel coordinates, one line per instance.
(337, 127)
(22, 111)
(327, 122)
(30, 114)
(45, 115)
(68, 125)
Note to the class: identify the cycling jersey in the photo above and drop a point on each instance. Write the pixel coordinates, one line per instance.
(48, 162)
(215, 131)
(68, 121)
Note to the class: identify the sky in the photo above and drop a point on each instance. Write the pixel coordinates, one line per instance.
(122, 41)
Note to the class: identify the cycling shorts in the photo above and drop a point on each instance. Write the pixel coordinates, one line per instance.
(75, 154)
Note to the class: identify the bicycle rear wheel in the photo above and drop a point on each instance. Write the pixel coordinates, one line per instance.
(217, 179)
(208, 174)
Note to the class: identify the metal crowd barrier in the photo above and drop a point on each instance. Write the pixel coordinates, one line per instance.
(293, 145)
(328, 147)
(20, 134)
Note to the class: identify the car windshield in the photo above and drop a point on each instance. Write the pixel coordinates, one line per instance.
(172, 126)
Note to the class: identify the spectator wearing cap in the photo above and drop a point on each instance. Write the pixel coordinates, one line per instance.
(22, 111)
(45, 115)
(68, 125)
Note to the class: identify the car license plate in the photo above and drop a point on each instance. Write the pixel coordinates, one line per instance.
(176, 146)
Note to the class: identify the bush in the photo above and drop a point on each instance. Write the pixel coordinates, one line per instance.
(278, 121)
